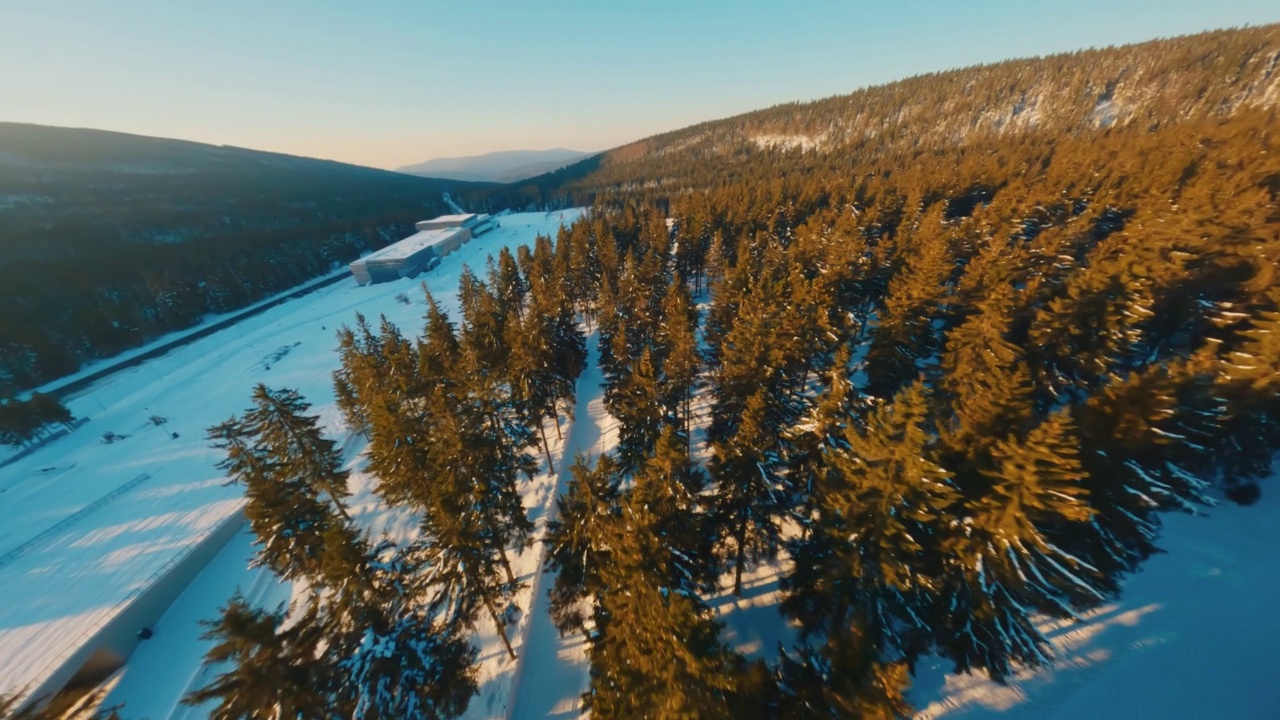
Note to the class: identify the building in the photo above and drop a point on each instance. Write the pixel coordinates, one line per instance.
(435, 239)
(478, 224)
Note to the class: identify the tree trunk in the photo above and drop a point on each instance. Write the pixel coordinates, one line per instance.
(506, 565)
(688, 422)
(742, 555)
(546, 448)
(342, 509)
(502, 628)
(556, 414)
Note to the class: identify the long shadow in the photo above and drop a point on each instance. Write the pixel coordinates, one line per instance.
(544, 681)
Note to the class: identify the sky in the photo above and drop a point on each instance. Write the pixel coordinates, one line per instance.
(389, 83)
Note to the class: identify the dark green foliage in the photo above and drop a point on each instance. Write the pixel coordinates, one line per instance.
(292, 476)
(391, 658)
(670, 486)
(22, 421)
(845, 678)
(751, 496)
(576, 552)
(273, 673)
(876, 550)
(655, 651)
(448, 434)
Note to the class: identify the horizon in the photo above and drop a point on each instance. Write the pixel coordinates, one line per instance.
(332, 82)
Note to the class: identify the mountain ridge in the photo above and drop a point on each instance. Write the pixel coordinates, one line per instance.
(502, 166)
(111, 239)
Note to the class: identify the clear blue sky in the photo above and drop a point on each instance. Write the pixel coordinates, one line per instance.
(392, 82)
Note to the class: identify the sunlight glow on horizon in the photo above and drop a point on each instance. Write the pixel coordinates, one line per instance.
(419, 80)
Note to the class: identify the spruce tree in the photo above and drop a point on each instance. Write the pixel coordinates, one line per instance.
(295, 445)
(575, 548)
(393, 659)
(681, 359)
(284, 512)
(669, 486)
(272, 676)
(845, 678)
(751, 495)
(655, 650)
(883, 515)
(1013, 555)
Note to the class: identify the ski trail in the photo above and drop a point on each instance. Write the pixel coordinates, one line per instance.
(551, 672)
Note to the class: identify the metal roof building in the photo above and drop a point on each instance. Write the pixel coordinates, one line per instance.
(435, 239)
(476, 223)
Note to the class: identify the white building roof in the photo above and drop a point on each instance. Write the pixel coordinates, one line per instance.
(451, 219)
(413, 244)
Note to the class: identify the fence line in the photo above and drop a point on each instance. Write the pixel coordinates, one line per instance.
(74, 646)
(70, 520)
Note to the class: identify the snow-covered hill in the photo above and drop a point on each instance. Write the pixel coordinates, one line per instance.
(1193, 636)
(88, 525)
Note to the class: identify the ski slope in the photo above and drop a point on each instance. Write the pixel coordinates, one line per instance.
(90, 526)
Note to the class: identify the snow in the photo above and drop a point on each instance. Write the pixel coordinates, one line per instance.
(769, 141)
(93, 558)
(96, 523)
(553, 670)
(413, 244)
(168, 665)
(212, 319)
(1192, 635)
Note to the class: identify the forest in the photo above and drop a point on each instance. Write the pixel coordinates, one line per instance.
(950, 347)
(950, 390)
(111, 240)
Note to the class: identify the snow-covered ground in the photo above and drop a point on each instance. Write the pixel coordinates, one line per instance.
(88, 526)
(1193, 636)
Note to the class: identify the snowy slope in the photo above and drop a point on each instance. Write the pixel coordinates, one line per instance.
(1193, 636)
(88, 526)
(92, 524)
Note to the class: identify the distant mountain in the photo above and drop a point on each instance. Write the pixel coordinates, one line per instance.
(109, 239)
(506, 166)
(1150, 86)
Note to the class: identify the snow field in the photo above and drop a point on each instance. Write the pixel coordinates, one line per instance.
(1192, 636)
(60, 592)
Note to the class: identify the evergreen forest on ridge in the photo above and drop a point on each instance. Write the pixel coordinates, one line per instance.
(955, 345)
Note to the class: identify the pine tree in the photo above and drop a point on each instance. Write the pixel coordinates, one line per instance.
(751, 494)
(361, 375)
(984, 380)
(821, 428)
(1128, 440)
(876, 553)
(636, 403)
(1012, 556)
(575, 550)
(272, 676)
(845, 678)
(393, 659)
(680, 358)
(284, 511)
(295, 445)
(1248, 386)
(439, 354)
(655, 650)
(669, 486)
